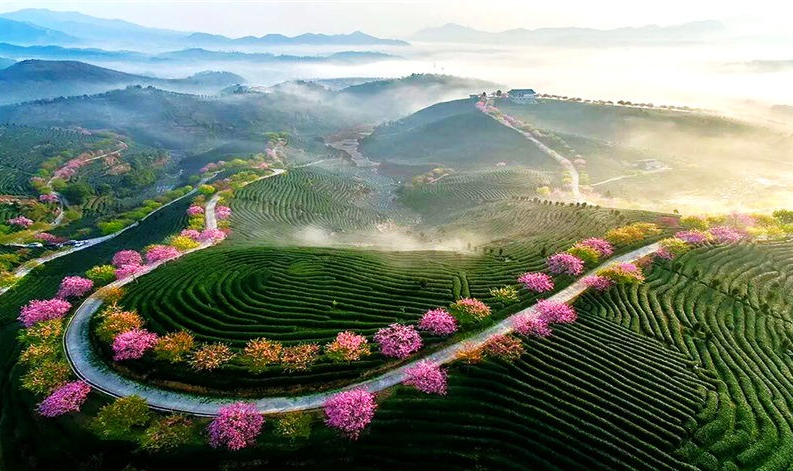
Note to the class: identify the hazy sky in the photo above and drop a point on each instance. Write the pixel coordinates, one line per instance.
(390, 18)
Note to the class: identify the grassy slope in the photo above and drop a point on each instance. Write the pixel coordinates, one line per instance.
(452, 134)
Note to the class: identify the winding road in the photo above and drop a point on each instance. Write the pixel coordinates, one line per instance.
(562, 160)
(89, 367)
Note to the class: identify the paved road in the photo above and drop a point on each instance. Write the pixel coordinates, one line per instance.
(90, 368)
(563, 161)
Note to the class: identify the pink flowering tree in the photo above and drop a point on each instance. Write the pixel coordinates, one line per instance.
(597, 282)
(438, 322)
(601, 246)
(556, 312)
(537, 282)
(74, 287)
(20, 221)
(398, 340)
(427, 376)
(195, 210)
(236, 426)
(128, 270)
(47, 238)
(222, 212)
(159, 253)
(132, 344)
(191, 233)
(469, 310)
(350, 411)
(725, 235)
(43, 310)
(532, 323)
(48, 198)
(565, 263)
(693, 237)
(127, 257)
(67, 398)
(212, 235)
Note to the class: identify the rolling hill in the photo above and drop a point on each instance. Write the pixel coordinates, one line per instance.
(451, 134)
(36, 79)
(21, 32)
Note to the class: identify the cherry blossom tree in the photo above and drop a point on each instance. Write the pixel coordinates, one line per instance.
(67, 398)
(597, 282)
(74, 287)
(725, 235)
(602, 246)
(43, 310)
(236, 426)
(212, 235)
(350, 411)
(438, 322)
(195, 210)
(47, 238)
(693, 237)
(159, 253)
(348, 346)
(536, 281)
(20, 221)
(555, 311)
(398, 340)
(531, 324)
(191, 233)
(48, 198)
(428, 377)
(565, 263)
(127, 257)
(128, 270)
(222, 212)
(132, 344)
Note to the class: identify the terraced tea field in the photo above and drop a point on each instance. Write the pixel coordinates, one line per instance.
(729, 311)
(23, 149)
(278, 211)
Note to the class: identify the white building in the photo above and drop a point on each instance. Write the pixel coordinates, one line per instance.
(522, 96)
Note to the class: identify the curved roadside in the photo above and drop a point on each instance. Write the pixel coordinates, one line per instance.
(89, 367)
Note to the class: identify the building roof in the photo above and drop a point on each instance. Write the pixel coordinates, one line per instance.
(522, 91)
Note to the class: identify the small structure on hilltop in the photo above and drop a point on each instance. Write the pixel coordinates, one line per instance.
(522, 96)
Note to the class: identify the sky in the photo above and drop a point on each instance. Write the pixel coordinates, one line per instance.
(403, 18)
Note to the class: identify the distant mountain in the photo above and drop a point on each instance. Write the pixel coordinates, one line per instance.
(455, 33)
(94, 31)
(36, 80)
(356, 38)
(24, 33)
(6, 62)
(198, 54)
(67, 53)
(193, 55)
